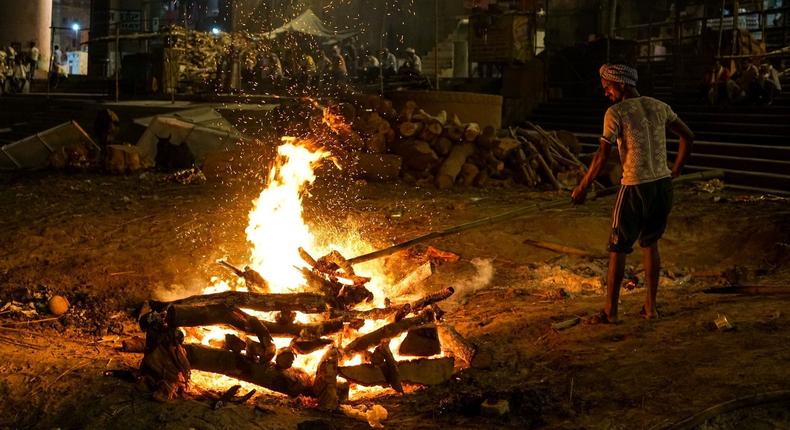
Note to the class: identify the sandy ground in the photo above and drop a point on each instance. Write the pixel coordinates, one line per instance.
(109, 243)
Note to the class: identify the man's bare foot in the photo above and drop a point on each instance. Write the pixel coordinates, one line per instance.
(601, 318)
(648, 315)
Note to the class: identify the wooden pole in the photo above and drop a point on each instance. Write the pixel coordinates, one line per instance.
(512, 214)
(436, 40)
(721, 27)
(117, 61)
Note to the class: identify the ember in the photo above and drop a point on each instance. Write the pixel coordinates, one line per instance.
(298, 325)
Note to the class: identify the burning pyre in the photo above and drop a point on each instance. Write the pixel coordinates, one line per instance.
(297, 325)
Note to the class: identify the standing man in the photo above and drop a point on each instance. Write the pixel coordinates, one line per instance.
(35, 56)
(636, 125)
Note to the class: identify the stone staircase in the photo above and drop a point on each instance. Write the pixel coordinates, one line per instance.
(750, 143)
(445, 52)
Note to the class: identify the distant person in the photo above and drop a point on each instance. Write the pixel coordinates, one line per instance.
(20, 74)
(720, 88)
(769, 82)
(637, 125)
(35, 57)
(412, 64)
(370, 66)
(339, 67)
(747, 82)
(3, 72)
(389, 63)
(351, 57)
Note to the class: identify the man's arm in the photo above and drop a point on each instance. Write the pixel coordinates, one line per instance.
(599, 160)
(686, 140)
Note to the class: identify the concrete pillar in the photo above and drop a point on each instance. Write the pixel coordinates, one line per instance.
(25, 21)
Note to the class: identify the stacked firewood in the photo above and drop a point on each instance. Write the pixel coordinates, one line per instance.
(334, 292)
(445, 151)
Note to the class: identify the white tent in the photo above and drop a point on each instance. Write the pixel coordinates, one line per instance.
(203, 130)
(309, 23)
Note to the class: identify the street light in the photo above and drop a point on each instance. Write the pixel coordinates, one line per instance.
(215, 31)
(75, 27)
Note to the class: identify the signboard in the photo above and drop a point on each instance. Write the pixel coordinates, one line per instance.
(129, 20)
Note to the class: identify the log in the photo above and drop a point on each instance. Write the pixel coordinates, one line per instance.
(388, 331)
(487, 138)
(418, 155)
(435, 124)
(267, 348)
(427, 134)
(313, 329)
(505, 146)
(469, 172)
(421, 341)
(205, 315)
(234, 343)
(303, 302)
(408, 111)
(545, 167)
(471, 132)
(432, 298)
(451, 167)
(252, 279)
(196, 316)
(370, 314)
(308, 345)
(414, 277)
(377, 143)
(325, 385)
(388, 366)
(423, 371)
(284, 358)
(461, 349)
(454, 132)
(409, 129)
(292, 382)
(442, 145)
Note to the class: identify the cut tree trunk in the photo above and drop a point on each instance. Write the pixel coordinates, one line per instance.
(325, 385)
(421, 342)
(293, 382)
(303, 302)
(388, 331)
(463, 351)
(424, 371)
(451, 167)
(388, 366)
(471, 132)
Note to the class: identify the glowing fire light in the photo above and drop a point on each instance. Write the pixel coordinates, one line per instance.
(276, 228)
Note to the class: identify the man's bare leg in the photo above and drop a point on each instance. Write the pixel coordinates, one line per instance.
(614, 279)
(652, 264)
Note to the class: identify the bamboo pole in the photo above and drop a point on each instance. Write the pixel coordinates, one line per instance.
(512, 214)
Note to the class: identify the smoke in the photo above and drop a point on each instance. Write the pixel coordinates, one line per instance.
(484, 273)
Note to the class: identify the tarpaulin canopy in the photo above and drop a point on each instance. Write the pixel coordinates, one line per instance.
(309, 23)
(33, 152)
(203, 131)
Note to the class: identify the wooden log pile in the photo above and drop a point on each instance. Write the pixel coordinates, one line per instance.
(333, 293)
(440, 149)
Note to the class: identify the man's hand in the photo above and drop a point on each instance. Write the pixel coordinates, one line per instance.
(579, 194)
(675, 173)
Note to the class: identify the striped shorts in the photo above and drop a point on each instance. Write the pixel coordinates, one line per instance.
(640, 213)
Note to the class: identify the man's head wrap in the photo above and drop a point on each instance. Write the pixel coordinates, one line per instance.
(619, 73)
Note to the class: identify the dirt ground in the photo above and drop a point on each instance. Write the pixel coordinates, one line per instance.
(110, 243)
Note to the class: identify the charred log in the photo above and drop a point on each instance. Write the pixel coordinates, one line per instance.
(303, 302)
(293, 382)
(423, 371)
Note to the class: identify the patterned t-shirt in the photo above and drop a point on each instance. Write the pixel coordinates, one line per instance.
(638, 127)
